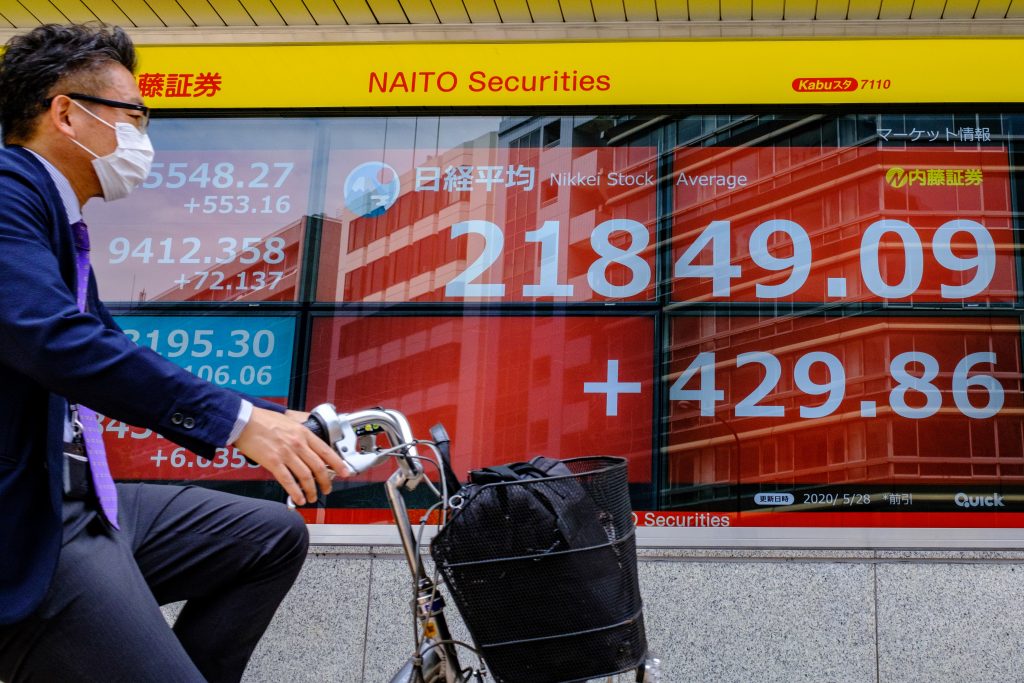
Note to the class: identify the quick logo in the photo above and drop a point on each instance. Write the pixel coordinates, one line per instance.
(965, 501)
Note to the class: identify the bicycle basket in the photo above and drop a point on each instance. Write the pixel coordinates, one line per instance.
(544, 574)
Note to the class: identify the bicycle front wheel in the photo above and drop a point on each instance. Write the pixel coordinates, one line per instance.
(435, 670)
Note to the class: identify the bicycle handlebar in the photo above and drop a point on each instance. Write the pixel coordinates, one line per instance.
(343, 432)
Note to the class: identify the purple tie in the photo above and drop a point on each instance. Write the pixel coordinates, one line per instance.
(91, 432)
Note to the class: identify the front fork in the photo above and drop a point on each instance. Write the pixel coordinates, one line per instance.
(428, 603)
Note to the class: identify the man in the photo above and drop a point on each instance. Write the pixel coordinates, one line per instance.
(84, 564)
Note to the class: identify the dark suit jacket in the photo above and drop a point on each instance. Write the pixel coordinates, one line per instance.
(51, 353)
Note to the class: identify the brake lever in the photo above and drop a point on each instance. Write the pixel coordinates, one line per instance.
(337, 431)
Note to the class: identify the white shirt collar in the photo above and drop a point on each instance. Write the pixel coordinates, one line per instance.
(67, 194)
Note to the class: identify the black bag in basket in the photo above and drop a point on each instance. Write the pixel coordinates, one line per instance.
(541, 560)
(544, 517)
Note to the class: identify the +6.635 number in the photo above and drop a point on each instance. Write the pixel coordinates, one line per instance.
(706, 394)
(178, 457)
(182, 458)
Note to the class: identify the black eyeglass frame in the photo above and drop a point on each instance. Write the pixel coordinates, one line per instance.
(110, 103)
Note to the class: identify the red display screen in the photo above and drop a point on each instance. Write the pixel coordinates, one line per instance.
(835, 225)
(252, 355)
(782, 319)
(812, 413)
(142, 454)
(214, 226)
(497, 225)
(570, 386)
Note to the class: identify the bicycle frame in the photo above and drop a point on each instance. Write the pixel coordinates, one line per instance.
(437, 659)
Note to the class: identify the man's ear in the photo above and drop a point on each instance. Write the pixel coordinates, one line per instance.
(59, 115)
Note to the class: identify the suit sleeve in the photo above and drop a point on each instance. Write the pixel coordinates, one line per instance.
(101, 310)
(85, 357)
(263, 403)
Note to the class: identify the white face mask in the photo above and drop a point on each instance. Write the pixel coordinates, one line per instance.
(127, 166)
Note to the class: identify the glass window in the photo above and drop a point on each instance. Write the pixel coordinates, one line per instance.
(779, 318)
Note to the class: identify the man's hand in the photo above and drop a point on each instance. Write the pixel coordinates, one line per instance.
(293, 454)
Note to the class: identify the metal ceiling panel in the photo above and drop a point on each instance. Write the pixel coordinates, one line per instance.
(927, 9)
(608, 10)
(108, 12)
(451, 11)
(324, 12)
(704, 10)
(14, 12)
(896, 9)
(769, 10)
(175, 14)
(263, 12)
(75, 11)
(514, 11)
(672, 10)
(139, 13)
(799, 10)
(864, 9)
(47, 13)
(991, 9)
(291, 12)
(232, 12)
(577, 10)
(169, 12)
(831, 9)
(387, 11)
(959, 9)
(545, 10)
(737, 10)
(356, 11)
(482, 11)
(201, 12)
(640, 10)
(419, 11)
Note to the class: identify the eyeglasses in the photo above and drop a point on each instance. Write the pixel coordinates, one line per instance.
(142, 124)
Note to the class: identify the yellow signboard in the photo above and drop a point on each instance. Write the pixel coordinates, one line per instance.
(863, 71)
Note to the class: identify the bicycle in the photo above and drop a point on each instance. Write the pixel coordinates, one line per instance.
(353, 436)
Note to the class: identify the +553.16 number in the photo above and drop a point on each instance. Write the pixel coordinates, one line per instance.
(224, 176)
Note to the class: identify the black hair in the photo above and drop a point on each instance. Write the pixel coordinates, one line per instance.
(35, 63)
